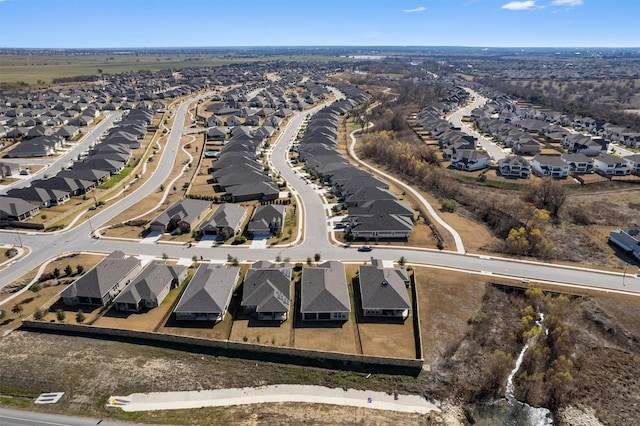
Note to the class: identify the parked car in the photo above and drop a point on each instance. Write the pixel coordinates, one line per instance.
(365, 248)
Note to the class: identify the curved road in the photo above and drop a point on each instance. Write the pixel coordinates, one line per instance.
(455, 118)
(315, 231)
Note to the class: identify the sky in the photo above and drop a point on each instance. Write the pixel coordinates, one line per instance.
(194, 23)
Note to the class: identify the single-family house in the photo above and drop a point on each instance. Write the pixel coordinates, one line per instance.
(374, 207)
(324, 293)
(266, 291)
(226, 221)
(233, 120)
(514, 166)
(73, 186)
(610, 165)
(150, 287)
(381, 226)
(93, 175)
(383, 290)
(470, 160)
(16, 209)
(112, 166)
(526, 146)
(267, 220)
(628, 239)
(42, 197)
(100, 284)
(634, 162)
(207, 296)
(183, 215)
(578, 163)
(216, 134)
(366, 194)
(550, 165)
(9, 169)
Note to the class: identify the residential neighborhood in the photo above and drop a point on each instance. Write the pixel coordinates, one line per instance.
(400, 213)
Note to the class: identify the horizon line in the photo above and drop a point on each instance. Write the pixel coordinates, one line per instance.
(318, 46)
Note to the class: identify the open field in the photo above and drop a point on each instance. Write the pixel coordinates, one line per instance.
(44, 68)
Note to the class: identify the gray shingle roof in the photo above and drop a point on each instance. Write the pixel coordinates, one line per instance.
(268, 289)
(209, 291)
(324, 289)
(150, 282)
(383, 288)
(101, 278)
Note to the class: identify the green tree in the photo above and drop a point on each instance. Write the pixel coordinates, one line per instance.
(317, 257)
(402, 261)
(68, 270)
(36, 287)
(80, 269)
(80, 317)
(56, 272)
(309, 261)
(165, 256)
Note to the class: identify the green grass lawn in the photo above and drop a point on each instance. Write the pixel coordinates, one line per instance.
(116, 179)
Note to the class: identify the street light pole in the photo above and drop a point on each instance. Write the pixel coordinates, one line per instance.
(624, 274)
(19, 239)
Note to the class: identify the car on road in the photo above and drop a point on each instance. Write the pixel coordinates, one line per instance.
(365, 248)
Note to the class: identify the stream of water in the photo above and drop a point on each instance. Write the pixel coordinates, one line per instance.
(509, 411)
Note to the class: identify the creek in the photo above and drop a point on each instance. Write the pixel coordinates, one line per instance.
(509, 411)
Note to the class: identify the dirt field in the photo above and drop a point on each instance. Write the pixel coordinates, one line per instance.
(446, 301)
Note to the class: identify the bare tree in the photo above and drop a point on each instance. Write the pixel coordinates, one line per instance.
(548, 194)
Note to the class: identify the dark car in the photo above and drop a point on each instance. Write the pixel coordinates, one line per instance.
(365, 248)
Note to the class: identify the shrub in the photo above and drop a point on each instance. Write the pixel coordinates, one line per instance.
(449, 205)
(240, 239)
(477, 318)
(38, 315)
(60, 315)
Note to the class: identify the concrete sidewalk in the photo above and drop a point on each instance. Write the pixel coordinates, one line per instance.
(275, 393)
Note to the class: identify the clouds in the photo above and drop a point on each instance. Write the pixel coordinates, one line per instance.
(417, 9)
(531, 4)
(519, 5)
(567, 2)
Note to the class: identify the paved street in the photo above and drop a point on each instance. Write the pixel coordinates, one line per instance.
(316, 240)
(54, 165)
(455, 118)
